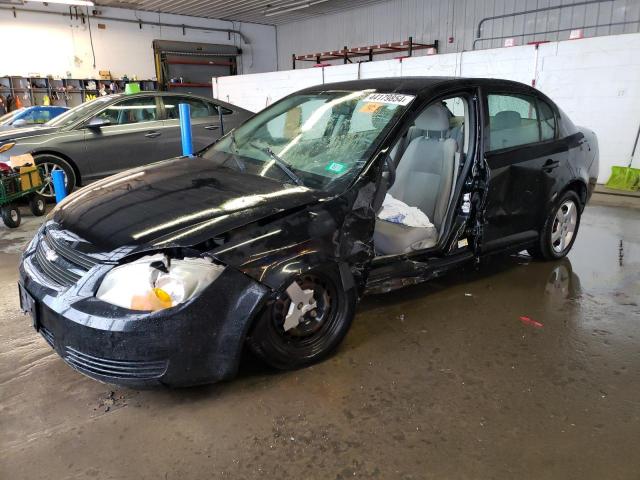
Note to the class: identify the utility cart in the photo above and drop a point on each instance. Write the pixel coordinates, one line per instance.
(16, 187)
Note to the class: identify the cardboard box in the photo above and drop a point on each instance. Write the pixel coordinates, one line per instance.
(25, 160)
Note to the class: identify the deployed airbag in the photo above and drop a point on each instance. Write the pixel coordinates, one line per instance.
(396, 211)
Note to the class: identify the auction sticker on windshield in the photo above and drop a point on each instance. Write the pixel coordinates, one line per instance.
(389, 98)
(335, 167)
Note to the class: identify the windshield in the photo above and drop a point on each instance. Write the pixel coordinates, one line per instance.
(319, 140)
(77, 113)
(7, 117)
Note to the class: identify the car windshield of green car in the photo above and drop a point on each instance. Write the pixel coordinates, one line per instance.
(317, 140)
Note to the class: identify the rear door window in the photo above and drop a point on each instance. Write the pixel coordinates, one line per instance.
(513, 120)
(198, 108)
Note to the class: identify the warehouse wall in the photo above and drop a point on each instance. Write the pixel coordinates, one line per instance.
(35, 43)
(428, 20)
(596, 81)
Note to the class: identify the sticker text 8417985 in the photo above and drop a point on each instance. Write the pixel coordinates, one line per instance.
(389, 98)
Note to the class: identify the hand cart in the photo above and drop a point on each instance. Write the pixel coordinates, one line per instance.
(20, 186)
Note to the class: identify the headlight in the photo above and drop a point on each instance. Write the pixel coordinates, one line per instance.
(154, 282)
(6, 146)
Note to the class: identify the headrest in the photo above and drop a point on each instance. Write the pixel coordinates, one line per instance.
(506, 119)
(435, 117)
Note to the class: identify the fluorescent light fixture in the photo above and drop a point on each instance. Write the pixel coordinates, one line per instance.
(81, 3)
(278, 10)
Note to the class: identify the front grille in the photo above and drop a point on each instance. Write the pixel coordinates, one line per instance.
(48, 335)
(59, 260)
(138, 370)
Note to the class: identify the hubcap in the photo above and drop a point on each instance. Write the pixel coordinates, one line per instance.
(14, 215)
(47, 169)
(564, 226)
(304, 309)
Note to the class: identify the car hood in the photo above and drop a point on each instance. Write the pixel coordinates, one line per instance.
(178, 202)
(12, 133)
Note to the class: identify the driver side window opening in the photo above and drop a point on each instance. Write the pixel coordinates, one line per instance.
(427, 159)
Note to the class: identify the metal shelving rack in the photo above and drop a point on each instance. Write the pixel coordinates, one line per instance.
(68, 92)
(347, 55)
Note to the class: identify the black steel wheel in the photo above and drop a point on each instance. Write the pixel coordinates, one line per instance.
(305, 322)
(560, 229)
(49, 163)
(37, 205)
(11, 215)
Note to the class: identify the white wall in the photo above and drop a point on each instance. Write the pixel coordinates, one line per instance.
(35, 43)
(596, 81)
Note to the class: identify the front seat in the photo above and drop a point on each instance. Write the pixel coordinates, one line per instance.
(424, 179)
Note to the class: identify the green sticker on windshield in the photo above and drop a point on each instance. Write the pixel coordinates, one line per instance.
(335, 167)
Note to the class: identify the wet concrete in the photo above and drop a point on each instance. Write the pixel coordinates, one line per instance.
(442, 380)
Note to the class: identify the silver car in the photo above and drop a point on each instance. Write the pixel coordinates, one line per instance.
(118, 132)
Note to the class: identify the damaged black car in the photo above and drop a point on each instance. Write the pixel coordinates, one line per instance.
(269, 237)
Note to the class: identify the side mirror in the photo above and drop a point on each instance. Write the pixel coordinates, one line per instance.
(97, 123)
(21, 122)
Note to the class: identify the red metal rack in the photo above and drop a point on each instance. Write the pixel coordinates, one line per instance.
(348, 54)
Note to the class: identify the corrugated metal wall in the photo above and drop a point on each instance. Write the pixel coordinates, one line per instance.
(428, 20)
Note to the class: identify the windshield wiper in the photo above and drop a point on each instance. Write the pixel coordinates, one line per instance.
(284, 166)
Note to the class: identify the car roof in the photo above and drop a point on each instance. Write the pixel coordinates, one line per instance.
(412, 85)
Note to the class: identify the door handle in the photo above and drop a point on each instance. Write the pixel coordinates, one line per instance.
(550, 165)
(152, 134)
(212, 127)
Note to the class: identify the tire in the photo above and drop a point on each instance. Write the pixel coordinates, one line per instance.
(38, 205)
(49, 162)
(11, 215)
(560, 228)
(316, 335)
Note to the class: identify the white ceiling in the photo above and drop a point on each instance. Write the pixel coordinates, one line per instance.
(270, 12)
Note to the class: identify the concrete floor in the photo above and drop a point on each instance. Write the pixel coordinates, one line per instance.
(442, 380)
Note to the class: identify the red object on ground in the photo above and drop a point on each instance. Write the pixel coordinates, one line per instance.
(4, 168)
(531, 322)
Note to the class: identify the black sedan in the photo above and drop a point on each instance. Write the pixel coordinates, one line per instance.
(117, 132)
(163, 274)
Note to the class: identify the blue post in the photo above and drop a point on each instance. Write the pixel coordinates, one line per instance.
(185, 129)
(57, 177)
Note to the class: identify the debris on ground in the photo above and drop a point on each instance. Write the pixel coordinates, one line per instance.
(531, 322)
(111, 400)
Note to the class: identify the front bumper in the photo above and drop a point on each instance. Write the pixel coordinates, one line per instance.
(198, 342)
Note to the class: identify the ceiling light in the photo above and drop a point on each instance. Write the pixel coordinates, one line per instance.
(82, 3)
(276, 11)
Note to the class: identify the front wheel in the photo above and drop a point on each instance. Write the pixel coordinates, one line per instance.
(49, 163)
(560, 229)
(305, 322)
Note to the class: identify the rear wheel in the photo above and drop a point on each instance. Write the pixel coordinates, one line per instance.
(11, 215)
(48, 164)
(305, 322)
(560, 229)
(37, 205)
